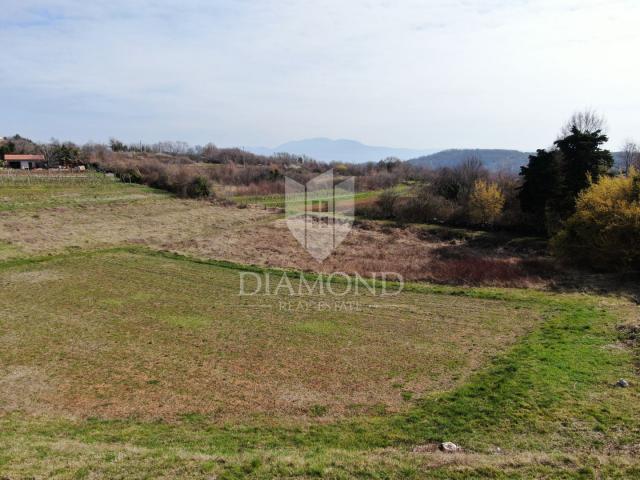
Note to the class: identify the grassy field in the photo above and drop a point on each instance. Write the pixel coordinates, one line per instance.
(174, 337)
(121, 360)
(24, 192)
(38, 217)
(136, 364)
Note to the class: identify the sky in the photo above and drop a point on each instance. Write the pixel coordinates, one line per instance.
(404, 73)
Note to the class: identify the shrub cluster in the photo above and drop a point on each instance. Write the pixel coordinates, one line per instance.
(179, 178)
(604, 231)
(467, 194)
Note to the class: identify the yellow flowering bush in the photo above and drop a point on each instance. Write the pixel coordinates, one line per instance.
(604, 232)
(485, 203)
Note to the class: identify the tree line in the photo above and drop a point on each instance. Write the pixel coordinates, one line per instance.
(571, 192)
(589, 209)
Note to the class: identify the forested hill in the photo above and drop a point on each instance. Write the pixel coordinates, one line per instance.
(493, 159)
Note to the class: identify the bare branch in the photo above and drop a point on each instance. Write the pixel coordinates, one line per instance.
(630, 156)
(587, 120)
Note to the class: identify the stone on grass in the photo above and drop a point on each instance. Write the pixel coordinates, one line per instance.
(449, 447)
(622, 383)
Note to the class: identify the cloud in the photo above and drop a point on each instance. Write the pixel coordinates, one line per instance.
(411, 73)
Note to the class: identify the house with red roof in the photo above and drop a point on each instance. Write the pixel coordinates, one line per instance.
(24, 162)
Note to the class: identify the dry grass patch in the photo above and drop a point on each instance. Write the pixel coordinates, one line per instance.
(45, 218)
(252, 236)
(157, 222)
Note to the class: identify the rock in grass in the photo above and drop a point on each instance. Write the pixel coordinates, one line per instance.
(449, 447)
(622, 383)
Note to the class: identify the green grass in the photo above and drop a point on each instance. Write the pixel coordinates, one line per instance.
(26, 193)
(547, 401)
(269, 201)
(8, 250)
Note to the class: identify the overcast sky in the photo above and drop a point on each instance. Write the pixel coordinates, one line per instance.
(404, 73)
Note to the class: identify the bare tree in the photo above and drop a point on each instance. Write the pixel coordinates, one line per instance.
(587, 120)
(48, 151)
(386, 202)
(630, 156)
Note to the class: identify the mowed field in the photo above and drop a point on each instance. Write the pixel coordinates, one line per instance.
(120, 359)
(122, 334)
(34, 192)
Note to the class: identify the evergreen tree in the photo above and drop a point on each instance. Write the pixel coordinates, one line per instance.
(583, 161)
(553, 179)
(541, 185)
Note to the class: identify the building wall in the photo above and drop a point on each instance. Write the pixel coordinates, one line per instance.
(25, 164)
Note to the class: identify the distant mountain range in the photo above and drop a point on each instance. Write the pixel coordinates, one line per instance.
(348, 151)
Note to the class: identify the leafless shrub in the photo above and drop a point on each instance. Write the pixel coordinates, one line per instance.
(427, 207)
(170, 175)
(386, 203)
(630, 156)
(456, 183)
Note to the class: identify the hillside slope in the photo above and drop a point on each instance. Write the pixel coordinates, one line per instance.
(494, 159)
